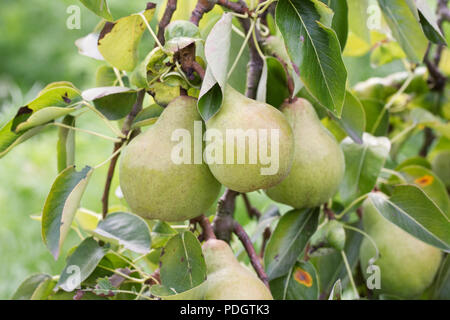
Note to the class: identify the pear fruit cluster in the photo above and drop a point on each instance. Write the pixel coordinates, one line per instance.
(153, 185)
(407, 265)
(227, 279)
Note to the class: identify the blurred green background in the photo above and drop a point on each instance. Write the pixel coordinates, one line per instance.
(37, 48)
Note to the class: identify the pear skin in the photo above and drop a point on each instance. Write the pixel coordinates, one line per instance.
(319, 163)
(239, 113)
(227, 279)
(153, 185)
(407, 265)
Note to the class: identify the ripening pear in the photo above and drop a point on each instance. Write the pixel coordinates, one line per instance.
(319, 163)
(227, 279)
(251, 146)
(154, 185)
(407, 265)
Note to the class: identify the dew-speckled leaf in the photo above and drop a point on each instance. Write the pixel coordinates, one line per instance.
(314, 48)
(27, 288)
(61, 206)
(288, 241)
(405, 27)
(118, 42)
(182, 265)
(412, 210)
(217, 52)
(125, 229)
(99, 7)
(80, 264)
(301, 283)
(113, 102)
(65, 147)
(363, 163)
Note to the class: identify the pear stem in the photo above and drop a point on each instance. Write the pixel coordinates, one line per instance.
(248, 245)
(165, 20)
(117, 146)
(208, 232)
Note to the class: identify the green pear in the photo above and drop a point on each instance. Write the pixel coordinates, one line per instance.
(407, 265)
(227, 279)
(155, 186)
(441, 166)
(319, 163)
(251, 162)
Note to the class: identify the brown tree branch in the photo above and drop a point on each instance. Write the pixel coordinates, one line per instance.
(202, 7)
(165, 20)
(223, 221)
(208, 232)
(248, 245)
(252, 211)
(112, 165)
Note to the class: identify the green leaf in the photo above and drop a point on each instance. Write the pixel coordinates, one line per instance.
(179, 34)
(353, 119)
(99, 7)
(118, 41)
(51, 103)
(161, 233)
(29, 286)
(113, 102)
(81, 263)
(331, 267)
(66, 144)
(314, 48)
(340, 19)
(125, 229)
(372, 109)
(429, 23)
(105, 77)
(61, 205)
(429, 183)
(196, 293)
(217, 51)
(402, 18)
(288, 241)
(9, 139)
(301, 283)
(363, 163)
(277, 90)
(44, 290)
(182, 266)
(336, 292)
(147, 116)
(441, 288)
(412, 210)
